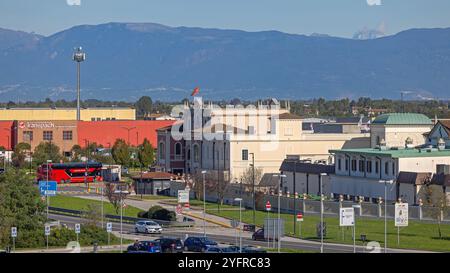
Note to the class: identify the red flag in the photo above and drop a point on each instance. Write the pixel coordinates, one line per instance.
(196, 91)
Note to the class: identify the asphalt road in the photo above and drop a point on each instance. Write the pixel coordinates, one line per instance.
(310, 246)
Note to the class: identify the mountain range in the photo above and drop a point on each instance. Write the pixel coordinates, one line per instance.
(129, 60)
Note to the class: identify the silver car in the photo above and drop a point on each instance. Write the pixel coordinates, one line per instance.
(147, 227)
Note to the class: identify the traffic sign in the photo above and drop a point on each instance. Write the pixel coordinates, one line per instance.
(77, 228)
(299, 217)
(48, 188)
(268, 206)
(108, 227)
(47, 230)
(187, 206)
(347, 217)
(401, 214)
(14, 232)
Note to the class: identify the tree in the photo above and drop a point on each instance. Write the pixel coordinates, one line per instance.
(247, 178)
(113, 198)
(76, 152)
(46, 151)
(436, 199)
(146, 153)
(21, 207)
(144, 106)
(19, 154)
(93, 214)
(121, 152)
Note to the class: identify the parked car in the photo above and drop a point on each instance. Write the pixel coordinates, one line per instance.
(147, 227)
(170, 245)
(199, 244)
(259, 236)
(145, 247)
(251, 249)
(230, 249)
(213, 249)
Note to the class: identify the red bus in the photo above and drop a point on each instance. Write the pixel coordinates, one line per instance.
(70, 172)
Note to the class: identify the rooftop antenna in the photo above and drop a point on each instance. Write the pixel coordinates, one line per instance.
(78, 57)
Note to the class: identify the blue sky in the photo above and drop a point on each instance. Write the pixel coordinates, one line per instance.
(335, 17)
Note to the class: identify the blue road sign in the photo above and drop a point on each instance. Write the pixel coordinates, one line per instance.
(51, 190)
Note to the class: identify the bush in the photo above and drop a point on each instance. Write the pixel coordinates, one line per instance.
(158, 213)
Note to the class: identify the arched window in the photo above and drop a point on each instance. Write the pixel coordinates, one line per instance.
(161, 151)
(178, 148)
(196, 153)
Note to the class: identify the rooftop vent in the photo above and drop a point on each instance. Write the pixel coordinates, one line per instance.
(441, 144)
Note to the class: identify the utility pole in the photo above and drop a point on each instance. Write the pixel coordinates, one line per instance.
(128, 129)
(253, 188)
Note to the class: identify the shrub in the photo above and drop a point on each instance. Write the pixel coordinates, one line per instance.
(158, 213)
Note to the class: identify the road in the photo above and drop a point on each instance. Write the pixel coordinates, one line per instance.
(220, 236)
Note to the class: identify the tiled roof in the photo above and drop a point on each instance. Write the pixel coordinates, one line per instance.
(403, 119)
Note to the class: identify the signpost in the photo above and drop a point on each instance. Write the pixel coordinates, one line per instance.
(47, 232)
(77, 230)
(183, 196)
(47, 189)
(347, 219)
(401, 218)
(300, 220)
(14, 235)
(108, 229)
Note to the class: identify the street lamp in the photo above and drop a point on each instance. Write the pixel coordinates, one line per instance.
(281, 176)
(78, 56)
(354, 227)
(46, 187)
(385, 182)
(204, 204)
(240, 220)
(253, 188)
(120, 192)
(321, 210)
(129, 129)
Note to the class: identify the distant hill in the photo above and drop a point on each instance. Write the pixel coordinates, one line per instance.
(126, 61)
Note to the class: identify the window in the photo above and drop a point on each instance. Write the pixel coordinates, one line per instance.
(339, 164)
(178, 148)
(245, 155)
(346, 164)
(361, 166)
(161, 151)
(376, 167)
(48, 135)
(354, 165)
(393, 168)
(369, 166)
(27, 135)
(386, 168)
(67, 135)
(196, 153)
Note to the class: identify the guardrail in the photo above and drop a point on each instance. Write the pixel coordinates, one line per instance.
(127, 219)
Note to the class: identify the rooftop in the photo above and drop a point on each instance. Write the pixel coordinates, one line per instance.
(403, 119)
(395, 153)
(290, 165)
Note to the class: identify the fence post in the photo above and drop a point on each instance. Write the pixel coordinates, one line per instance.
(304, 202)
(380, 201)
(361, 199)
(420, 209)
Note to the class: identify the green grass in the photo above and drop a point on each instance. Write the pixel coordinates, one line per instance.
(75, 203)
(288, 250)
(151, 197)
(418, 235)
(194, 203)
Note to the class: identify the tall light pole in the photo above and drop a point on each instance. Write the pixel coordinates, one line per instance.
(385, 182)
(78, 56)
(204, 204)
(281, 176)
(253, 189)
(321, 211)
(354, 226)
(240, 222)
(46, 187)
(129, 129)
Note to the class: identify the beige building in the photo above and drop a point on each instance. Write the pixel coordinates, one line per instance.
(87, 114)
(228, 140)
(396, 128)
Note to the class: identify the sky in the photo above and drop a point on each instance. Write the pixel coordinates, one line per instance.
(340, 18)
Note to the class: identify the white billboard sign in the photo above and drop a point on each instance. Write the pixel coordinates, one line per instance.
(347, 217)
(401, 214)
(183, 196)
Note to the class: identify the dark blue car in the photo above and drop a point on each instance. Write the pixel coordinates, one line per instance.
(198, 244)
(145, 247)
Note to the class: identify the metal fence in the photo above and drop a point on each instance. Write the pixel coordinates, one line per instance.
(373, 210)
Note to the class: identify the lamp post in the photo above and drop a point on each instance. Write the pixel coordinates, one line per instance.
(120, 192)
(321, 211)
(253, 188)
(204, 204)
(129, 129)
(281, 176)
(78, 56)
(385, 182)
(46, 187)
(354, 227)
(240, 220)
